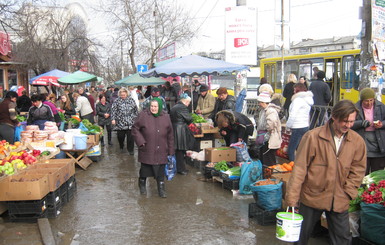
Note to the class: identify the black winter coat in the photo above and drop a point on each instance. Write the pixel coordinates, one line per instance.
(156, 134)
(227, 104)
(181, 118)
(288, 92)
(100, 111)
(321, 92)
(23, 103)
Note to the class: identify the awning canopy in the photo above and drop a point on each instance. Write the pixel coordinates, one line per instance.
(77, 77)
(192, 65)
(136, 79)
(48, 78)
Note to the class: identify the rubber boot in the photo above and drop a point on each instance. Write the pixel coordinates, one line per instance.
(161, 189)
(142, 186)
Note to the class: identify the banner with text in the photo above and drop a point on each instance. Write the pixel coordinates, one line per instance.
(241, 35)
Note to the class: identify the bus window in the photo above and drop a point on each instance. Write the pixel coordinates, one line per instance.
(291, 67)
(348, 73)
(357, 72)
(316, 65)
(305, 69)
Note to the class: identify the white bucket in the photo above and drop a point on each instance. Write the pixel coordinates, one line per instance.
(288, 226)
(74, 130)
(68, 141)
(80, 141)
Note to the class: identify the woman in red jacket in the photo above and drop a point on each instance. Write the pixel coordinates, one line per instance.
(153, 134)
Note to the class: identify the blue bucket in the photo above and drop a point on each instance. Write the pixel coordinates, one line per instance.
(80, 141)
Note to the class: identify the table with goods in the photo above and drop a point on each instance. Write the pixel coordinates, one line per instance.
(36, 178)
(205, 134)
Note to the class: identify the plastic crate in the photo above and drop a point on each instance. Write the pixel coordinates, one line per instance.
(27, 218)
(53, 198)
(35, 207)
(54, 210)
(64, 193)
(71, 188)
(230, 184)
(262, 217)
(207, 172)
(189, 161)
(215, 172)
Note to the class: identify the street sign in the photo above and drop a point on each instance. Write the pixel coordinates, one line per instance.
(88, 84)
(142, 68)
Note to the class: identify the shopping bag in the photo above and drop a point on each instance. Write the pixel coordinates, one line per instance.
(269, 197)
(18, 130)
(261, 137)
(250, 172)
(170, 168)
(373, 222)
(242, 153)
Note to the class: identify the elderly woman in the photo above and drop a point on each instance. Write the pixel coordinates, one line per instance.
(268, 126)
(153, 134)
(234, 126)
(183, 138)
(370, 124)
(83, 107)
(123, 114)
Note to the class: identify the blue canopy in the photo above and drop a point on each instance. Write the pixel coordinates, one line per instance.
(192, 65)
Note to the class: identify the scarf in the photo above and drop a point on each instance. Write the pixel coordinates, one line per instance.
(160, 106)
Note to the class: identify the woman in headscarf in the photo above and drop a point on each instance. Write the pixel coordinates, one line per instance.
(183, 138)
(153, 134)
(123, 114)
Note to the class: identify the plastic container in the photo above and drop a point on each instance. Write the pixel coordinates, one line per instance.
(262, 216)
(80, 141)
(288, 227)
(68, 141)
(74, 131)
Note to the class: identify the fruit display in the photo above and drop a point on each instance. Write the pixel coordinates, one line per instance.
(16, 161)
(284, 167)
(6, 147)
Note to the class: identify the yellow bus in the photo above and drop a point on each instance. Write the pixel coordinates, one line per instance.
(342, 71)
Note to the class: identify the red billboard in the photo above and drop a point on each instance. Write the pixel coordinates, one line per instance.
(5, 43)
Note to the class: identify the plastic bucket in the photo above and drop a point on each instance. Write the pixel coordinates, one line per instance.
(68, 141)
(288, 226)
(74, 131)
(80, 141)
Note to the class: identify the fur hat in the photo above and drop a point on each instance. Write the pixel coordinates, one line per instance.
(367, 93)
(264, 97)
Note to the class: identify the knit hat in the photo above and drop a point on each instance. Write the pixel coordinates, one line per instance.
(155, 92)
(264, 97)
(367, 93)
(203, 88)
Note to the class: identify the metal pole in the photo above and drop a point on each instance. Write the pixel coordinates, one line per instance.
(283, 41)
(121, 57)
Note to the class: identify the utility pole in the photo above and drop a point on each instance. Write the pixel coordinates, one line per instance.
(366, 54)
(283, 42)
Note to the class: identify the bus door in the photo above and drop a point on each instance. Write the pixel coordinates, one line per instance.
(333, 78)
(270, 74)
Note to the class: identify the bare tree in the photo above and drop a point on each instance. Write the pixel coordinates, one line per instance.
(52, 37)
(147, 26)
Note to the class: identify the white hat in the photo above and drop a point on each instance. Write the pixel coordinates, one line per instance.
(264, 97)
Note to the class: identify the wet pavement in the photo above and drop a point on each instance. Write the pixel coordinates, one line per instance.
(108, 209)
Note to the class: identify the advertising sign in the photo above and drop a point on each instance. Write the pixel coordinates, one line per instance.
(378, 27)
(241, 35)
(167, 52)
(5, 43)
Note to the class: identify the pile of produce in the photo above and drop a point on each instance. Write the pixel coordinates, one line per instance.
(197, 119)
(195, 129)
(221, 166)
(15, 161)
(284, 167)
(265, 182)
(89, 128)
(235, 171)
(372, 191)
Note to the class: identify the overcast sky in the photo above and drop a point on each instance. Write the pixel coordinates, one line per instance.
(308, 19)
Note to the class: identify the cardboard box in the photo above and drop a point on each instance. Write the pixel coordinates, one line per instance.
(55, 178)
(67, 164)
(93, 139)
(284, 177)
(206, 144)
(220, 154)
(21, 187)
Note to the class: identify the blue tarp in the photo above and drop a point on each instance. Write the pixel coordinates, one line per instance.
(192, 65)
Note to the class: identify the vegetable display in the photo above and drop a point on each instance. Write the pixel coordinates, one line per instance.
(20, 118)
(92, 129)
(197, 119)
(221, 166)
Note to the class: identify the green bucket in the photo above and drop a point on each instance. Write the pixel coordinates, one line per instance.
(288, 226)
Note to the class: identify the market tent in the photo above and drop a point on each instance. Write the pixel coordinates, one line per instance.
(191, 65)
(77, 77)
(136, 79)
(48, 78)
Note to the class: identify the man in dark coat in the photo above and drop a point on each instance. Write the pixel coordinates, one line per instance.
(321, 97)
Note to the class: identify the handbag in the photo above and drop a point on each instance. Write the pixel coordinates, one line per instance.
(260, 139)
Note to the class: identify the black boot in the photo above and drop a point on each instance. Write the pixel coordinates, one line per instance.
(161, 189)
(142, 185)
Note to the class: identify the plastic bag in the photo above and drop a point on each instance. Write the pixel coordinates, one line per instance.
(269, 196)
(261, 137)
(250, 172)
(242, 153)
(170, 168)
(373, 222)
(82, 127)
(18, 130)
